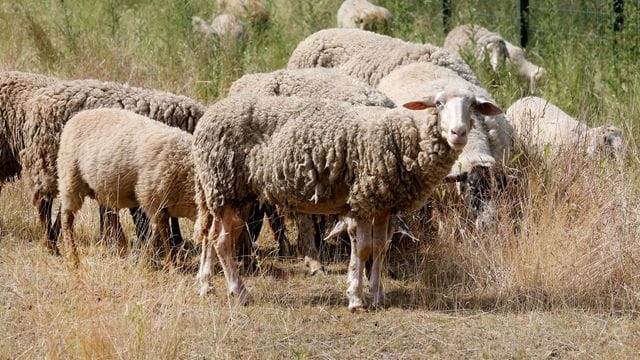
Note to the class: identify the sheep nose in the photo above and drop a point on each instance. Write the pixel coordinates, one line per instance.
(459, 132)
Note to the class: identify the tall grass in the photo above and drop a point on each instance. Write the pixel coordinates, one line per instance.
(568, 230)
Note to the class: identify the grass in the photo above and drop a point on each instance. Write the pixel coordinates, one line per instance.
(558, 275)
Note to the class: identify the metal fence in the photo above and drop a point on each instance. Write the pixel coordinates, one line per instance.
(604, 21)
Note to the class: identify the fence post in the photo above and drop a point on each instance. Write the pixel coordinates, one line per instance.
(618, 15)
(524, 23)
(446, 15)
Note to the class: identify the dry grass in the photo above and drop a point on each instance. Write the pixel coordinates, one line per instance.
(558, 277)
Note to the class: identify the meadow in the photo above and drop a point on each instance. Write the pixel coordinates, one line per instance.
(558, 276)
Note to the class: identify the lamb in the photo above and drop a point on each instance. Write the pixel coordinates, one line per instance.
(47, 109)
(485, 41)
(225, 27)
(253, 10)
(320, 83)
(321, 157)
(369, 57)
(125, 160)
(489, 141)
(541, 124)
(363, 15)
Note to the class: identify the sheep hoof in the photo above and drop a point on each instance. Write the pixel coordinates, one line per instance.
(243, 297)
(206, 289)
(356, 305)
(378, 301)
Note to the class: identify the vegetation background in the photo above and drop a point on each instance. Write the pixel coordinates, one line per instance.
(558, 276)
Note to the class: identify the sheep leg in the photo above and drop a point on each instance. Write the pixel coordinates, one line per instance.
(175, 236)
(360, 252)
(306, 244)
(276, 222)
(44, 205)
(206, 229)
(113, 232)
(141, 221)
(160, 232)
(380, 245)
(230, 229)
(67, 233)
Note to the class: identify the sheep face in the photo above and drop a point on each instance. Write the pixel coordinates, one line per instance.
(497, 53)
(454, 113)
(606, 139)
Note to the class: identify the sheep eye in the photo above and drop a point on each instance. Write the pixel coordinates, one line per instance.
(438, 103)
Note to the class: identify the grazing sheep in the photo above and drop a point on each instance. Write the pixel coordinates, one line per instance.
(319, 83)
(363, 15)
(223, 26)
(321, 157)
(489, 141)
(482, 41)
(533, 73)
(49, 108)
(368, 56)
(125, 160)
(253, 10)
(541, 124)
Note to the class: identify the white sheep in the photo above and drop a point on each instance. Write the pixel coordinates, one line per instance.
(225, 27)
(368, 56)
(125, 160)
(253, 10)
(489, 141)
(36, 119)
(361, 14)
(321, 157)
(542, 124)
(482, 41)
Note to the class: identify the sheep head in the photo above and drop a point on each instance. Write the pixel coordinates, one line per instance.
(454, 110)
(607, 139)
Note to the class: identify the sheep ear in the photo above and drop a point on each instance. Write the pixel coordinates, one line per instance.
(420, 105)
(486, 107)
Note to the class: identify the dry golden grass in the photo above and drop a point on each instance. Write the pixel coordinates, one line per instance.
(558, 276)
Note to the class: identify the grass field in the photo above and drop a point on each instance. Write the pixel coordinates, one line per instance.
(559, 276)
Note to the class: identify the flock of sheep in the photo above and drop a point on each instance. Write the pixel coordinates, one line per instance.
(360, 125)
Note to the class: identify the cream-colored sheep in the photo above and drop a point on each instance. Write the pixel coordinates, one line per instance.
(321, 157)
(489, 141)
(253, 10)
(368, 56)
(484, 42)
(542, 124)
(125, 160)
(361, 14)
(225, 27)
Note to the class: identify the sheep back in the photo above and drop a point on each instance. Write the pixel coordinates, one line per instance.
(318, 156)
(369, 56)
(321, 83)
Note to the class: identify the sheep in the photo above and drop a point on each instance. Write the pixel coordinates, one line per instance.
(363, 15)
(542, 124)
(253, 10)
(485, 41)
(125, 160)
(224, 26)
(321, 157)
(368, 56)
(47, 109)
(319, 83)
(489, 141)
